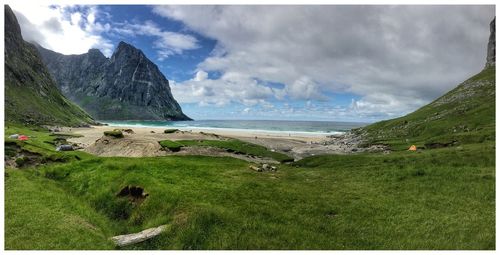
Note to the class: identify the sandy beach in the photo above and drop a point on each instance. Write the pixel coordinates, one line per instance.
(143, 142)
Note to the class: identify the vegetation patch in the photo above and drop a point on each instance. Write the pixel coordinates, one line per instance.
(239, 147)
(169, 131)
(171, 145)
(115, 133)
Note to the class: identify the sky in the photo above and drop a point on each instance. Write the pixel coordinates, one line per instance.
(334, 63)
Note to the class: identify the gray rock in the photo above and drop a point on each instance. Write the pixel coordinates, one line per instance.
(64, 147)
(490, 56)
(126, 86)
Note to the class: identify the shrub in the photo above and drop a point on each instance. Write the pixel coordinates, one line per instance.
(169, 131)
(115, 133)
(21, 161)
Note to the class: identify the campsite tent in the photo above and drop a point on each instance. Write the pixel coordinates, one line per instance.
(412, 148)
(22, 138)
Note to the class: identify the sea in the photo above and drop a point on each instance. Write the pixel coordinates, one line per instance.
(311, 128)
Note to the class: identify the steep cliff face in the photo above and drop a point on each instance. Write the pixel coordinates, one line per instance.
(128, 86)
(31, 96)
(490, 57)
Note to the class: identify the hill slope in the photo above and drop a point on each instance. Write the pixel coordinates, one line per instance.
(465, 114)
(127, 86)
(31, 96)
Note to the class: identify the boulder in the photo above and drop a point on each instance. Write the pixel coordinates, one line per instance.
(65, 147)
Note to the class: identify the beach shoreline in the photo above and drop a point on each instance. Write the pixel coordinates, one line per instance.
(143, 141)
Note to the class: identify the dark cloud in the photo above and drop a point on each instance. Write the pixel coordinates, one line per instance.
(53, 25)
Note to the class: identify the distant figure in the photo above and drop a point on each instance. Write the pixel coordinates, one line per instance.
(289, 134)
(256, 137)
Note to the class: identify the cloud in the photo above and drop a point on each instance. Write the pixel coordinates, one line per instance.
(304, 88)
(230, 88)
(167, 43)
(201, 76)
(65, 29)
(396, 58)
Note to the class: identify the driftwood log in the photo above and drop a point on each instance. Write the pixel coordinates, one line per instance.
(124, 240)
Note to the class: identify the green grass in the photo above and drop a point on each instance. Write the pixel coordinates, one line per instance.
(169, 131)
(432, 199)
(40, 215)
(171, 145)
(238, 146)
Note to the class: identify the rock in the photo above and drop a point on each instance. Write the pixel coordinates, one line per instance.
(126, 86)
(152, 132)
(264, 168)
(490, 56)
(256, 168)
(64, 147)
(124, 240)
(128, 131)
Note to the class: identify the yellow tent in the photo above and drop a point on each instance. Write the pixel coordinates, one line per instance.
(412, 148)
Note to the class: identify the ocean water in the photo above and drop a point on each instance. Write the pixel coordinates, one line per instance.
(271, 126)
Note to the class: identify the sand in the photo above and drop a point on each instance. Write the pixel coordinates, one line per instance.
(143, 142)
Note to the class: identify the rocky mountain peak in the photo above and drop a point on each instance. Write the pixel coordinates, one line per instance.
(125, 48)
(12, 29)
(127, 86)
(490, 57)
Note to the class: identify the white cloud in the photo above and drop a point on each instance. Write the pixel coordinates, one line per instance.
(396, 58)
(304, 88)
(230, 88)
(167, 43)
(201, 76)
(62, 28)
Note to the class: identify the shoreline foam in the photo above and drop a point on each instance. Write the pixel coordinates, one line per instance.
(236, 131)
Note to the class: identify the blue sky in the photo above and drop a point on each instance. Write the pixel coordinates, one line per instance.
(338, 63)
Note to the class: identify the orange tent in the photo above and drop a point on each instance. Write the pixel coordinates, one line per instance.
(412, 148)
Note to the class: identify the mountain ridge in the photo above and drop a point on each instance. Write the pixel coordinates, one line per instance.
(126, 86)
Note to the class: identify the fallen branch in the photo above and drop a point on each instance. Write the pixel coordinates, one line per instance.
(124, 240)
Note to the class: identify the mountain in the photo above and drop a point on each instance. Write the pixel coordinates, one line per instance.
(31, 95)
(465, 114)
(127, 86)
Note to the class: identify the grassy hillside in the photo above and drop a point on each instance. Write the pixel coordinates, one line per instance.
(31, 95)
(432, 199)
(464, 115)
